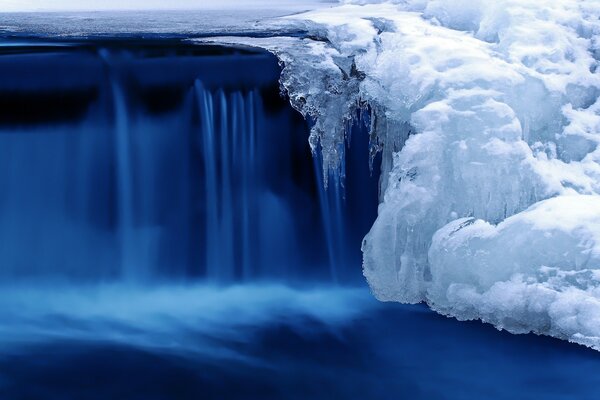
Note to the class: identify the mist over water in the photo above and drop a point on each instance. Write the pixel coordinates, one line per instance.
(186, 320)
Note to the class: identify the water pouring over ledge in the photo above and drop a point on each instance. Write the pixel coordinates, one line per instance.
(149, 160)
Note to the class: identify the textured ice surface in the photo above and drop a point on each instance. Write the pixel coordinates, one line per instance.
(488, 117)
(536, 270)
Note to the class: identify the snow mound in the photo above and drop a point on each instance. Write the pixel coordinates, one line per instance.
(488, 117)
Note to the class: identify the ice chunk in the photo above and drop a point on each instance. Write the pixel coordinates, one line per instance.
(538, 270)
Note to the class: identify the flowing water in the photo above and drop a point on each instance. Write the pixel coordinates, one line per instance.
(150, 161)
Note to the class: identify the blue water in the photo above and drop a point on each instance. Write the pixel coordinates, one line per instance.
(151, 160)
(165, 234)
(385, 351)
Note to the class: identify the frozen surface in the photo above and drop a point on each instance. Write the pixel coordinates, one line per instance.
(488, 117)
(102, 5)
(143, 23)
(150, 18)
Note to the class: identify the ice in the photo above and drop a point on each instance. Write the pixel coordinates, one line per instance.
(538, 270)
(487, 114)
(147, 18)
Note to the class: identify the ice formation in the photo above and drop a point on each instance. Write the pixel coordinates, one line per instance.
(488, 116)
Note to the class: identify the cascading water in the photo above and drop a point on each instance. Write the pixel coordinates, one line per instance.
(162, 160)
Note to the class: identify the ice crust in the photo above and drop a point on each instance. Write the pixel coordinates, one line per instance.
(488, 117)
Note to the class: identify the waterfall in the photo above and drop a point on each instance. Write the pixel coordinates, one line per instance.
(331, 204)
(228, 147)
(125, 207)
(169, 169)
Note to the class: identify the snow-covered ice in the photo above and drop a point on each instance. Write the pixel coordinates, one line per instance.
(488, 116)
